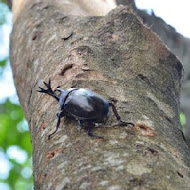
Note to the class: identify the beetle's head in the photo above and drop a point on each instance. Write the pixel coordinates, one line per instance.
(63, 93)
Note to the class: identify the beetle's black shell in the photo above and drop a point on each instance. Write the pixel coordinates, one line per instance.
(84, 104)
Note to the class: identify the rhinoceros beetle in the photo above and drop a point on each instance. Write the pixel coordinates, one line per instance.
(84, 105)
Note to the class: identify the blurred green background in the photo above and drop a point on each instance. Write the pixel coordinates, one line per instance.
(15, 145)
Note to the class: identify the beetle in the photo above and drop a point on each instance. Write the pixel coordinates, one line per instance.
(84, 105)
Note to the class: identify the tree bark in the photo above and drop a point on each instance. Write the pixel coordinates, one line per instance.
(180, 46)
(119, 58)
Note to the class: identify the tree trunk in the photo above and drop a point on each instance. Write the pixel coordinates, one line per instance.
(180, 46)
(119, 58)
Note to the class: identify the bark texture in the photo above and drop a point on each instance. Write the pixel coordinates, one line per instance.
(72, 7)
(119, 58)
(180, 46)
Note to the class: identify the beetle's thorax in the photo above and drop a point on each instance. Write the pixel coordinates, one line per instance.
(63, 95)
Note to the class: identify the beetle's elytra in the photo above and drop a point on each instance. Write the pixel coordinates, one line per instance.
(84, 105)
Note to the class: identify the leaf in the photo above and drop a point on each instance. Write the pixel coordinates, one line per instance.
(3, 62)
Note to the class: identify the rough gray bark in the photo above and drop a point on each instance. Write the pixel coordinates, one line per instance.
(119, 58)
(180, 46)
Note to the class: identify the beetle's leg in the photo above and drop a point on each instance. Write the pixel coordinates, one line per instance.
(59, 116)
(115, 111)
(87, 126)
(121, 122)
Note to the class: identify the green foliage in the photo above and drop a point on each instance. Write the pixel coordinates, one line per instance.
(11, 117)
(15, 139)
(2, 65)
(182, 119)
(3, 62)
(15, 145)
